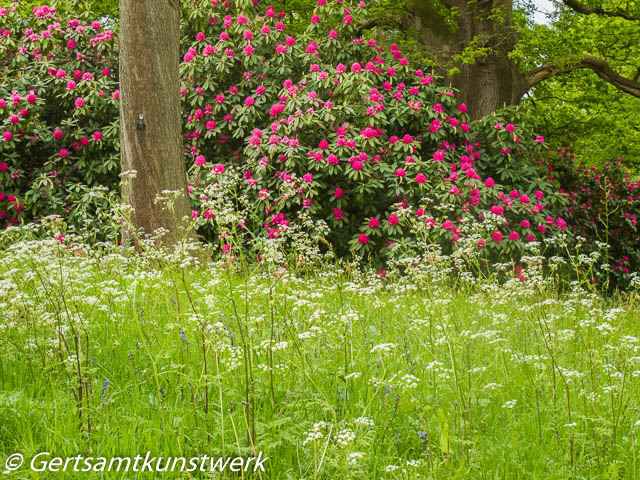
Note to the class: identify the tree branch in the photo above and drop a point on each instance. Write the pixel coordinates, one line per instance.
(585, 9)
(599, 66)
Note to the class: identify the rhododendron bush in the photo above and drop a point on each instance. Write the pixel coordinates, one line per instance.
(325, 133)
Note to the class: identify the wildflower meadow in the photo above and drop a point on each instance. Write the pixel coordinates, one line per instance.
(371, 284)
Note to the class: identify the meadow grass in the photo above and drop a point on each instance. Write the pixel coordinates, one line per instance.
(331, 373)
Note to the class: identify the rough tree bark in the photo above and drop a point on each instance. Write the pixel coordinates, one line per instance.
(150, 118)
(493, 80)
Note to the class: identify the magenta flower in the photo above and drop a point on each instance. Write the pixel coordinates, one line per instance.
(420, 178)
(400, 172)
(497, 210)
(337, 213)
(357, 165)
(393, 220)
(514, 236)
(497, 237)
(374, 222)
(510, 128)
(338, 193)
(363, 239)
(79, 103)
(276, 109)
(200, 160)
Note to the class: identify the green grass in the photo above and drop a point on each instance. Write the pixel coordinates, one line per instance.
(402, 377)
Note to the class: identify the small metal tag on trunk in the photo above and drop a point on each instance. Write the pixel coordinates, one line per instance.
(141, 125)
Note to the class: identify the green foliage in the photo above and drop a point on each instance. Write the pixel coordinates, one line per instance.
(332, 375)
(579, 110)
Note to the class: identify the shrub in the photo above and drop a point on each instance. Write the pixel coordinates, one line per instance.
(325, 131)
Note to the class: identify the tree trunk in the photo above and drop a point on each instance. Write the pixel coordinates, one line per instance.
(150, 118)
(491, 80)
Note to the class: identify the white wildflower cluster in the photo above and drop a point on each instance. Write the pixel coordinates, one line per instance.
(345, 437)
(316, 432)
(383, 347)
(354, 458)
(408, 381)
(364, 421)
